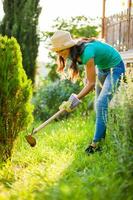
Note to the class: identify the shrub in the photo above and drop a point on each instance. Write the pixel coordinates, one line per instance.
(15, 95)
(121, 113)
(48, 98)
(120, 127)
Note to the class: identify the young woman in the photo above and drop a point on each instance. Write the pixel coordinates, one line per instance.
(99, 58)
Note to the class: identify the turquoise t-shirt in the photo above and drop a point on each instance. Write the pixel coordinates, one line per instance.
(105, 56)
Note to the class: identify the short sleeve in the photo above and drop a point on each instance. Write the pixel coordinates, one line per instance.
(88, 53)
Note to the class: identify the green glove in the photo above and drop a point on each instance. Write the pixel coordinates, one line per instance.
(69, 105)
(66, 106)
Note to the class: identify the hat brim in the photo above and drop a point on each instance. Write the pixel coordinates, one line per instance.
(64, 46)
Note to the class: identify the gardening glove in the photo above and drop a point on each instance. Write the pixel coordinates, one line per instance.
(65, 106)
(69, 105)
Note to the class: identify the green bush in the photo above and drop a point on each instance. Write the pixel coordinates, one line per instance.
(15, 95)
(48, 98)
(120, 128)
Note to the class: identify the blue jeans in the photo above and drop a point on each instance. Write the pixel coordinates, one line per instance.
(107, 82)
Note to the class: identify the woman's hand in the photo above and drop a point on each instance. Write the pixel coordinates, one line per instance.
(66, 105)
(69, 105)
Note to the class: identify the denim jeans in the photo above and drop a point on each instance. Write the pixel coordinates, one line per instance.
(107, 82)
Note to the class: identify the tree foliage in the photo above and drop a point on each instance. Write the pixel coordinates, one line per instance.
(79, 26)
(20, 21)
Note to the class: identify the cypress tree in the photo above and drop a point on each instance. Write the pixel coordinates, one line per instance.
(20, 21)
(15, 96)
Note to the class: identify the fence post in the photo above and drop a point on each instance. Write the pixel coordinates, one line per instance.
(103, 20)
(129, 21)
(119, 48)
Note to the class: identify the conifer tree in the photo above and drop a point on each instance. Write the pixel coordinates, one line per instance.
(15, 95)
(20, 21)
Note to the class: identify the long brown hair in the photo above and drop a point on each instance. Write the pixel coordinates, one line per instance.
(75, 52)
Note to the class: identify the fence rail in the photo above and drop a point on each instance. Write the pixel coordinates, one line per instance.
(119, 30)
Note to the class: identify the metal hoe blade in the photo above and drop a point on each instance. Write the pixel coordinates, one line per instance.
(30, 139)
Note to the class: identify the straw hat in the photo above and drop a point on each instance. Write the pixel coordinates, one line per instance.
(61, 40)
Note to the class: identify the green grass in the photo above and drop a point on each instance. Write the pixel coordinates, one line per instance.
(58, 168)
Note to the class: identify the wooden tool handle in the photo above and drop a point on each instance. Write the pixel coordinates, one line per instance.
(47, 122)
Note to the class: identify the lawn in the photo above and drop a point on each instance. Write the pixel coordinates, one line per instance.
(57, 168)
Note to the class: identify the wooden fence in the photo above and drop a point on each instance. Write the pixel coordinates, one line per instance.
(119, 30)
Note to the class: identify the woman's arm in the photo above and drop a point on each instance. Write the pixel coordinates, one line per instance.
(91, 78)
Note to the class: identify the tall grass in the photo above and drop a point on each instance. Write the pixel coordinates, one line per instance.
(120, 127)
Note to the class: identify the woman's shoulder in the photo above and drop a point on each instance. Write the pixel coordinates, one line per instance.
(90, 45)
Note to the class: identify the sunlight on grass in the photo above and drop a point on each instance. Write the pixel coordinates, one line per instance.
(32, 170)
(35, 175)
(57, 168)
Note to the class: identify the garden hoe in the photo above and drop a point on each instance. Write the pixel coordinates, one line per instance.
(30, 139)
(73, 101)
